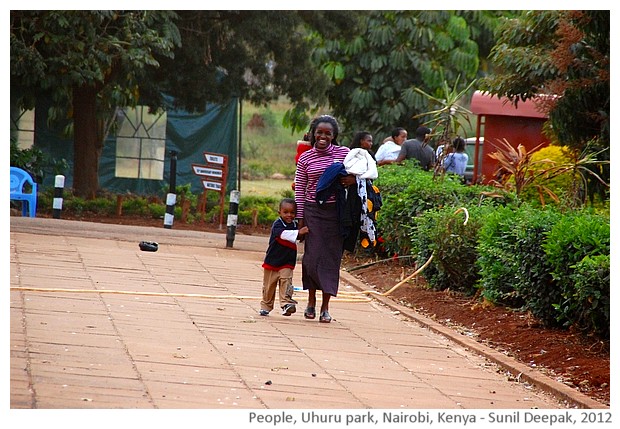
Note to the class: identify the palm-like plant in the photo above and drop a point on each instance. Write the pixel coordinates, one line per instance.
(448, 119)
(516, 171)
(585, 165)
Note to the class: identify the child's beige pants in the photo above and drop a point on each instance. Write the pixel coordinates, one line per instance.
(281, 280)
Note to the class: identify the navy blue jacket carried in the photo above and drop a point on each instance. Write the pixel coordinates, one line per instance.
(348, 204)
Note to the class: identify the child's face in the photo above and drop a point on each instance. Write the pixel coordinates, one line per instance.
(287, 212)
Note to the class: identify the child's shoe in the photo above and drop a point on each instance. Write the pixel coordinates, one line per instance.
(288, 309)
(264, 313)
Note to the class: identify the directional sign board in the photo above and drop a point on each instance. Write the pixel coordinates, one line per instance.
(213, 158)
(202, 170)
(213, 176)
(215, 169)
(214, 186)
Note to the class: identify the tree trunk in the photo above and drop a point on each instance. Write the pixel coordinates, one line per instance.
(87, 143)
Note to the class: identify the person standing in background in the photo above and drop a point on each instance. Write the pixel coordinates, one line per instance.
(418, 149)
(302, 146)
(456, 161)
(363, 140)
(389, 150)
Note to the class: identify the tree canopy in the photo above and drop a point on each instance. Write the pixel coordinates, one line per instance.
(255, 55)
(565, 56)
(53, 52)
(90, 62)
(562, 59)
(376, 73)
(87, 63)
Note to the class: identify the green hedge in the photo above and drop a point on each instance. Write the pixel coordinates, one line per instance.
(589, 302)
(513, 266)
(265, 207)
(578, 249)
(550, 263)
(498, 260)
(105, 205)
(408, 192)
(453, 243)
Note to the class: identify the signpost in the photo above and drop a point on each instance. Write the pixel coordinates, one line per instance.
(213, 175)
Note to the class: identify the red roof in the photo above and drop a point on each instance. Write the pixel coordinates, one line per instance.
(483, 104)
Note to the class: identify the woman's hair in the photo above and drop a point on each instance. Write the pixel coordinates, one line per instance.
(328, 119)
(357, 139)
(458, 144)
(396, 131)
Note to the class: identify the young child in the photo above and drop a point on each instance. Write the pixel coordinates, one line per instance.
(280, 260)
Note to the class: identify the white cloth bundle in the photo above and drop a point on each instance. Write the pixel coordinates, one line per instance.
(359, 162)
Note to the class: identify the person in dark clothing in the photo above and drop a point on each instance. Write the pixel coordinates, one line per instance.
(418, 149)
(280, 259)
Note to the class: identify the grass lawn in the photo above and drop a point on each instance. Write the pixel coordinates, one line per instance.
(265, 187)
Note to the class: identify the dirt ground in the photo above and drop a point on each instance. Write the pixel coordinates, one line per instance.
(580, 362)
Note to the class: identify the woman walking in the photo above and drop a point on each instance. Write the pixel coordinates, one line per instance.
(323, 246)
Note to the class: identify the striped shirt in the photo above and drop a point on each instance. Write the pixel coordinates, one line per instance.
(311, 165)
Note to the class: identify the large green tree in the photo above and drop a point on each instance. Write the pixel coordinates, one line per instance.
(86, 63)
(90, 62)
(565, 57)
(255, 55)
(376, 74)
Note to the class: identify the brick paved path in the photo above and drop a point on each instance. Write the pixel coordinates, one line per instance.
(179, 329)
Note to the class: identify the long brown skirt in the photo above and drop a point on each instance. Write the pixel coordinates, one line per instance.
(323, 248)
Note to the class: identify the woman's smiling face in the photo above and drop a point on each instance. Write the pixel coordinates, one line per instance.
(323, 135)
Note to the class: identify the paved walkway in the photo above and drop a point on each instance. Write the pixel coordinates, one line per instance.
(179, 329)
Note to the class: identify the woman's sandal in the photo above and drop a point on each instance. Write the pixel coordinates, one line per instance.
(309, 313)
(325, 317)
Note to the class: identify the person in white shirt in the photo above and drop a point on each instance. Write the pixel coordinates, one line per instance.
(389, 150)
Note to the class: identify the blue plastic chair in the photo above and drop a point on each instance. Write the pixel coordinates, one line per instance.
(19, 178)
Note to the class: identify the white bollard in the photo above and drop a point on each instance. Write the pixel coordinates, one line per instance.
(59, 186)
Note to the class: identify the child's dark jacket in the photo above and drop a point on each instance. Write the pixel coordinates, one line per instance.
(282, 250)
